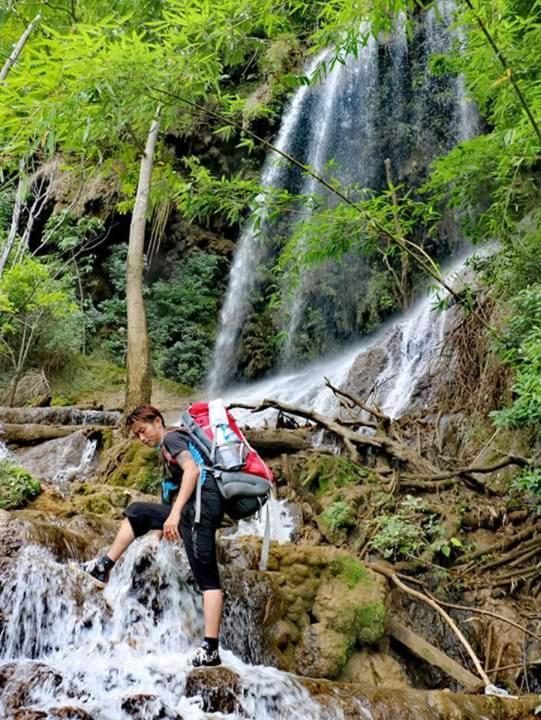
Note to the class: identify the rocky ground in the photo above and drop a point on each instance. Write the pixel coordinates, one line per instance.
(333, 605)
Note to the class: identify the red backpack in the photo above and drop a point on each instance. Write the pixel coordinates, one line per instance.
(244, 480)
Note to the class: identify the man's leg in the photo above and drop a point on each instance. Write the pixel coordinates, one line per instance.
(124, 538)
(213, 602)
(139, 519)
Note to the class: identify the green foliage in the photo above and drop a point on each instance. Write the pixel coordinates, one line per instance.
(339, 515)
(39, 321)
(182, 315)
(397, 536)
(17, 486)
(528, 481)
(412, 531)
(519, 345)
(68, 233)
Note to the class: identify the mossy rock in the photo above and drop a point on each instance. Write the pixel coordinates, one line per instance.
(324, 473)
(336, 520)
(17, 486)
(129, 463)
(105, 500)
(334, 601)
(352, 600)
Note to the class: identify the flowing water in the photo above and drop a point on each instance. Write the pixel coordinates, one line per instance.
(126, 647)
(384, 103)
(411, 345)
(253, 245)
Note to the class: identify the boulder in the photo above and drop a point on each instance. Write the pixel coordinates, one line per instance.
(307, 613)
(61, 461)
(19, 680)
(218, 688)
(370, 667)
(147, 707)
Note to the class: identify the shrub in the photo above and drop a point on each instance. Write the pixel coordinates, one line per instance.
(17, 486)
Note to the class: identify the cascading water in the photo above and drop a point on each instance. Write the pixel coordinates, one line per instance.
(104, 653)
(347, 89)
(384, 103)
(410, 346)
(254, 244)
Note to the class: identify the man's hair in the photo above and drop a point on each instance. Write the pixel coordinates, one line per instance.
(144, 413)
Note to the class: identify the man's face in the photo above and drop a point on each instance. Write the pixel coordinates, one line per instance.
(150, 433)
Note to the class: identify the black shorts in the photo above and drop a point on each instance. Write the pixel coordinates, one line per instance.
(199, 541)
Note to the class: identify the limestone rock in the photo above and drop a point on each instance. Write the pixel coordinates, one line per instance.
(69, 713)
(147, 707)
(18, 681)
(311, 609)
(218, 688)
(59, 461)
(322, 651)
(368, 667)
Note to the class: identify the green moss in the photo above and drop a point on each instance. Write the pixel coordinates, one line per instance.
(132, 464)
(369, 624)
(350, 570)
(339, 515)
(325, 473)
(17, 486)
(85, 377)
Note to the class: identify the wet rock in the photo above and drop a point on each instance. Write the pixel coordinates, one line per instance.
(147, 707)
(308, 612)
(60, 461)
(365, 372)
(359, 701)
(69, 713)
(58, 416)
(219, 689)
(19, 680)
(29, 714)
(131, 464)
(322, 652)
(368, 667)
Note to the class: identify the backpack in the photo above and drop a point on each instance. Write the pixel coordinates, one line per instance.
(243, 479)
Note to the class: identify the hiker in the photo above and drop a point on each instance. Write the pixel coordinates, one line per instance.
(175, 518)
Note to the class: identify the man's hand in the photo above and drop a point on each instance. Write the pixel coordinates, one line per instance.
(170, 527)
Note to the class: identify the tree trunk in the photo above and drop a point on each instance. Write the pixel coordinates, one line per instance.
(12, 59)
(19, 198)
(139, 379)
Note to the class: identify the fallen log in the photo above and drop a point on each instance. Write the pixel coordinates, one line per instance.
(58, 416)
(33, 433)
(352, 440)
(431, 654)
(270, 441)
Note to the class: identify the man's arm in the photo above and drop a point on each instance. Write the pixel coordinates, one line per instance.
(189, 480)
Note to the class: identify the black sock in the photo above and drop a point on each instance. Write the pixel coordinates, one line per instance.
(211, 643)
(107, 562)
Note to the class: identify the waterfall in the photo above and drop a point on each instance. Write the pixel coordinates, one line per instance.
(346, 94)
(255, 242)
(409, 348)
(130, 646)
(382, 103)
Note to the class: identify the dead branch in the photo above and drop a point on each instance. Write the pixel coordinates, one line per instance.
(501, 546)
(489, 613)
(428, 652)
(385, 419)
(391, 575)
(508, 460)
(397, 450)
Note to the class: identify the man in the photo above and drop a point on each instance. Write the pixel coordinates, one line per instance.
(175, 518)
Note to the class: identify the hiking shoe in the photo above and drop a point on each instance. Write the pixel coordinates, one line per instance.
(205, 657)
(98, 569)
